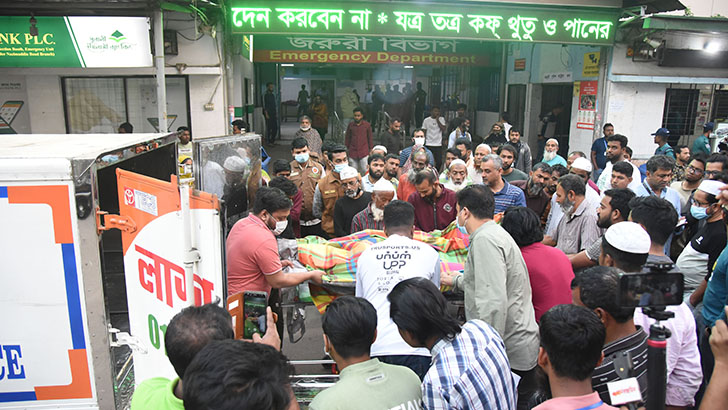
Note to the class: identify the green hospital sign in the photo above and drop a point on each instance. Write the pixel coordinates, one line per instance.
(464, 21)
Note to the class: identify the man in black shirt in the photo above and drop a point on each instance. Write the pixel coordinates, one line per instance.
(391, 138)
(597, 288)
(354, 200)
(270, 110)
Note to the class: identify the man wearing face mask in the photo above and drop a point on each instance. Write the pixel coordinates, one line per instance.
(418, 140)
(496, 285)
(578, 227)
(311, 135)
(253, 263)
(354, 200)
(329, 189)
(372, 217)
(434, 204)
(697, 259)
(305, 173)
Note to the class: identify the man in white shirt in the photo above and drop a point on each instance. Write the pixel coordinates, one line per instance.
(617, 151)
(381, 267)
(435, 126)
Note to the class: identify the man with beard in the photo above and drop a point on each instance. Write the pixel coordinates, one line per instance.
(329, 188)
(693, 176)
(457, 176)
(434, 204)
(376, 171)
(358, 140)
(509, 155)
(613, 208)
(391, 169)
(391, 138)
(617, 152)
(681, 162)
(406, 184)
(578, 227)
(465, 146)
(523, 159)
(353, 201)
(550, 153)
(372, 217)
(534, 189)
(474, 171)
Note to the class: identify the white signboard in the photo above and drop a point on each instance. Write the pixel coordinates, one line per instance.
(112, 41)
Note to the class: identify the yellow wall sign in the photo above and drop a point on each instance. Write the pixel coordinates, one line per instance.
(591, 64)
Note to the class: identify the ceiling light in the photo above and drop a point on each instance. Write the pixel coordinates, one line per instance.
(652, 43)
(409, 66)
(711, 47)
(287, 65)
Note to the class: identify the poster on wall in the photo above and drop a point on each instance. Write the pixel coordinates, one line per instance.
(14, 117)
(591, 64)
(587, 105)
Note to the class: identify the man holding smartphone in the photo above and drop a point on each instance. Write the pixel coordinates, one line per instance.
(253, 263)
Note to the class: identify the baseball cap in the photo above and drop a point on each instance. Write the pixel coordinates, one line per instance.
(708, 126)
(663, 132)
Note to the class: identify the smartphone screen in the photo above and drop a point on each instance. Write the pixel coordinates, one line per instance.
(254, 305)
(651, 289)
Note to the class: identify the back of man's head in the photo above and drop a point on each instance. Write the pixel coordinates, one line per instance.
(598, 288)
(192, 329)
(399, 216)
(233, 374)
(572, 337)
(350, 324)
(418, 307)
(271, 200)
(573, 182)
(656, 215)
(285, 185)
(478, 199)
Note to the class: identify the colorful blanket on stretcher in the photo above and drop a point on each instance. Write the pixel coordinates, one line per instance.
(338, 257)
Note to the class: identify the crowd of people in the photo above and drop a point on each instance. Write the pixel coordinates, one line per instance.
(548, 242)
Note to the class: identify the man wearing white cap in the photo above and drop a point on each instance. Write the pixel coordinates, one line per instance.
(234, 192)
(551, 155)
(626, 246)
(697, 259)
(354, 200)
(372, 217)
(379, 149)
(457, 176)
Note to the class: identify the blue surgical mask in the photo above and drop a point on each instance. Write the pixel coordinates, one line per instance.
(461, 228)
(301, 158)
(698, 212)
(339, 167)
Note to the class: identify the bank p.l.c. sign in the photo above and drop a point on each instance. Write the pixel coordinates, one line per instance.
(75, 42)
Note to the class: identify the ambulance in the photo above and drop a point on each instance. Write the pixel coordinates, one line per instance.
(101, 245)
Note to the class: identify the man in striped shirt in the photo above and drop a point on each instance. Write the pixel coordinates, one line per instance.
(470, 369)
(597, 288)
(372, 217)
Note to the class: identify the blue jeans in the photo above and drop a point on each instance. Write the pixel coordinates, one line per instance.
(418, 364)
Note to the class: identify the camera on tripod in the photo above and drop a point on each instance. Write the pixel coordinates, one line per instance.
(653, 289)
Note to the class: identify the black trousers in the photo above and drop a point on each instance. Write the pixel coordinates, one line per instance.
(437, 153)
(272, 125)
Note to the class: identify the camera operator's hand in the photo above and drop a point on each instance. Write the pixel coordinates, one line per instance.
(271, 337)
(719, 342)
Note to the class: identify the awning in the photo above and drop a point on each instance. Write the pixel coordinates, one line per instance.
(654, 6)
(686, 23)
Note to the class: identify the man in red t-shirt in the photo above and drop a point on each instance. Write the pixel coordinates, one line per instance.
(253, 263)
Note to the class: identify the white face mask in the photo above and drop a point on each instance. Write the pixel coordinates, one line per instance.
(420, 141)
(306, 128)
(280, 227)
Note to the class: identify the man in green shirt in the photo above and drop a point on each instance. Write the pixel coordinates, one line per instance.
(496, 285)
(187, 333)
(350, 327)
(702, 143)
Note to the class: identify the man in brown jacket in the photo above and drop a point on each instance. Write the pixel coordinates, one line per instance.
(329, 189)
(306, 173)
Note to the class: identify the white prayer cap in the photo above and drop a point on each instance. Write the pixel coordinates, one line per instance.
(457, 161)
(234, 164)
(383, 186)
(583, 164)
(555, 141)
(628, 237)
(348, 172)
(380, 148)
(711, 187)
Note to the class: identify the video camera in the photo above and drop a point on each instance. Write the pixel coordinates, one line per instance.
(653, 289)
